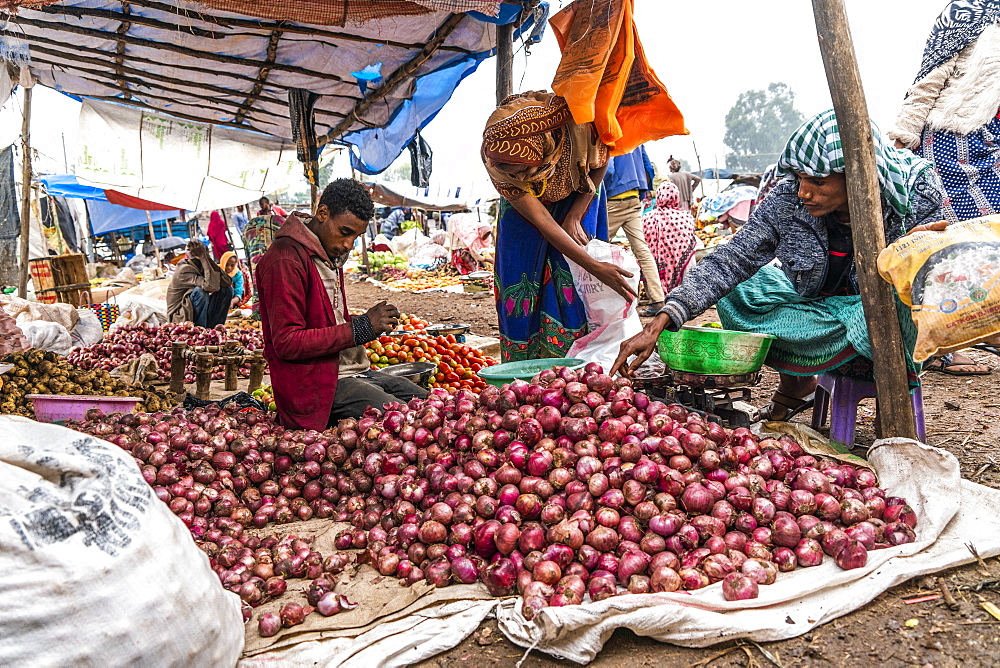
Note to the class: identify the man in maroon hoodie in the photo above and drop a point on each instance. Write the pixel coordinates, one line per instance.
(314, 348)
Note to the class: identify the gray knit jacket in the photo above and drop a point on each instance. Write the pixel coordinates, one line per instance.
(780, 227)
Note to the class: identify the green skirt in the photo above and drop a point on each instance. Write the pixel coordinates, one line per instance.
(814, 335)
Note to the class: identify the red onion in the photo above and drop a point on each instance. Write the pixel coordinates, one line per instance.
(269, 624)
(852, 555)
(809, 553)
(739, 587)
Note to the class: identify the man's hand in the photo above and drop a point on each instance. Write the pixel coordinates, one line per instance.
(383, 317)
(641, 345)
(614, 277)
(572, 226)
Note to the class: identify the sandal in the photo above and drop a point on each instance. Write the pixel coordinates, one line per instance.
(791, 405)
(952, 369)
(651, 310)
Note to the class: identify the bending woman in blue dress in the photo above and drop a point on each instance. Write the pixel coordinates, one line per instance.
(548, 169)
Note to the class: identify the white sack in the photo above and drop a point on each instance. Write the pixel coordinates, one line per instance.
(47, 336)
(950, 512)
(610, 318)
(88, 331)
(95, 570)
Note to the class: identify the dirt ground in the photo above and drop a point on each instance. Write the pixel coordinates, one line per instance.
(961, 415)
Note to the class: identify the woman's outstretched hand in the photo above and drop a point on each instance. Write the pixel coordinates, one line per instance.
(614, 277)
(641, 345)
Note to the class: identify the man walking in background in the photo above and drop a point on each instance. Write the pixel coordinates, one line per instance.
(686, 182)
(628, 179)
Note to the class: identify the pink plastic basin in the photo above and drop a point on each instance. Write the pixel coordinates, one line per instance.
(54, 407)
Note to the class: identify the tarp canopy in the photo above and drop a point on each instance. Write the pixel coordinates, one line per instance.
(108, 210)
(235, 63)
(713, 173)
(390, 196)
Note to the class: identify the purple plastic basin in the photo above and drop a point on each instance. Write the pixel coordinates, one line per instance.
(54, 407)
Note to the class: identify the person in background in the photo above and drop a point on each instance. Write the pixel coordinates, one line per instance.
(548, 169)
(268, 209)
(811, 303)
(314, 348)
(217, 235)
(240, 218)
(393, 224)
(470, 238)
(669, 231)
(199, 292)
(628, 179)
(230, 264)
(686, 182)
(950, 117)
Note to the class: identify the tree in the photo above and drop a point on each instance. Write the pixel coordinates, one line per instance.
(758, 126)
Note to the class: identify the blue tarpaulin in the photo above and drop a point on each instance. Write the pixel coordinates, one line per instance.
(373, 150)
(104, 216)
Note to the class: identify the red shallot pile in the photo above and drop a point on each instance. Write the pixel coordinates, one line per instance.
(570, 486)
(129, 342)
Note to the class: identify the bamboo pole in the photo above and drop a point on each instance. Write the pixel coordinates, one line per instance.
(152, 239)
(22, 279)
(701, 184)
(505, 61)
(865, 202)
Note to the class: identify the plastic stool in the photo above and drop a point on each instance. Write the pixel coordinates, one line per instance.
(843, 394)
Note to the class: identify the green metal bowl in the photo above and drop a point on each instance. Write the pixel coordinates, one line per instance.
(710, 350)
(501, 374)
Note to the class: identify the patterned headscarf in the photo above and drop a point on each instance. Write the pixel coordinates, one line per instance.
(531, 146)
(959, 25)
(669, 233)
(815, 149)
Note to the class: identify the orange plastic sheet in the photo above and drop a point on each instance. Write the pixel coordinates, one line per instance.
(605, 78)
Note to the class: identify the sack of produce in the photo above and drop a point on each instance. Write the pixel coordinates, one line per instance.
(94, 569)
(949, 280)
(610, 317)
(47, 336)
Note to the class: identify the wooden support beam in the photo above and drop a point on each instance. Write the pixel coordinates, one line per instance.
(229, 22)
(22, 279)
(172, 96)
(123, 27)
(396, 78)
(865, 202)
(126, 16)
(258, 85)
(24, 21)
(505, 61)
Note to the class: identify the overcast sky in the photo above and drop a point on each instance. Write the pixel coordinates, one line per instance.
(706, 53)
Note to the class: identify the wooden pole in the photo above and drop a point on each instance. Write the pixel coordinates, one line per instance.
(178, 363)
(865, 202)
(505, 61)
(152, 239)
(22, 278)
(701, 184)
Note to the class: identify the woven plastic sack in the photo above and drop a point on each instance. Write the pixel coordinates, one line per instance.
(950, 282)
(95, 570)
(611, 319)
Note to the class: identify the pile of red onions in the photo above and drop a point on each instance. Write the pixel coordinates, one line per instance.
(570, 486)
(130, 341)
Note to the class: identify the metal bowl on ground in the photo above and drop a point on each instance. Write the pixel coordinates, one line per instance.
(445, 329)
(417, 373)
(709, 350)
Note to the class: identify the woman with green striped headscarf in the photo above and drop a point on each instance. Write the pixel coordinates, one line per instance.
(790, 270)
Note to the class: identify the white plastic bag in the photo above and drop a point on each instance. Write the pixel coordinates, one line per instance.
(88, 331)
(611, 318)
(95, 570)
(47, 336)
